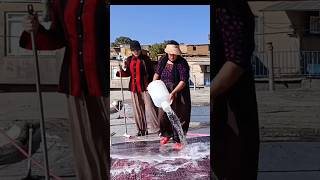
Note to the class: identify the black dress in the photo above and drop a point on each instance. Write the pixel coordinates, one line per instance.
(171, 75)
(235, 150)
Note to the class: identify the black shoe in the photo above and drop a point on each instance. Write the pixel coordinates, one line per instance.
(139, 133)
(144, 133)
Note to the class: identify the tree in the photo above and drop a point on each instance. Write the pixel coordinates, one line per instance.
(120, 41)
(156, 49)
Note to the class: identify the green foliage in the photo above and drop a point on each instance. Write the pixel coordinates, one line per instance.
(157, 49)
(120, 41)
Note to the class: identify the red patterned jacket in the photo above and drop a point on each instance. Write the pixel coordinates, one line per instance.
(140, 70)
(81, 27)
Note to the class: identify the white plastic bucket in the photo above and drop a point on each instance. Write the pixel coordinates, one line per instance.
(158, 92)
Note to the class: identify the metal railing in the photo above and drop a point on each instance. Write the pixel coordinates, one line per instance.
(287, 64)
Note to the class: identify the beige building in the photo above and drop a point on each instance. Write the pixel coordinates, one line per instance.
(115, 82)
(293, 28)
(195, 50)
(16, 64)
(196, 55)
(199, 70)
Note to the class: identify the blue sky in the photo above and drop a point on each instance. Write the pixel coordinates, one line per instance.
(149, 24)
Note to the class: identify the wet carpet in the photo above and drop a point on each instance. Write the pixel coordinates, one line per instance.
(148, 160)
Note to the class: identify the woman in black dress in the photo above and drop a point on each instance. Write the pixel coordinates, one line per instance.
(235, 126)
(173, 70)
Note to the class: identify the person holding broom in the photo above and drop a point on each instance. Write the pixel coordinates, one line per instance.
(140, 70)
(80, 26)
(235, 121)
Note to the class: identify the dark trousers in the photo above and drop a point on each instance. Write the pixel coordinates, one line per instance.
(235, 154)
(182, 107)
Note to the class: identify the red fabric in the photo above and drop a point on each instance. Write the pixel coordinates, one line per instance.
(123, 73)
(135, 85)
(70, 16)
(132, 78)
(89, 48)
(44, 41)
(138, 76)
(54, 38)
(51, 39)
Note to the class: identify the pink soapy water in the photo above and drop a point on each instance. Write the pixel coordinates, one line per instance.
(151, 162)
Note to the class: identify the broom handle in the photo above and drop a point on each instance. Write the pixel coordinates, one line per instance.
(42, 122)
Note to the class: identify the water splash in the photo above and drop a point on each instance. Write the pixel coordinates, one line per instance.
(175, 121)
(150, 153)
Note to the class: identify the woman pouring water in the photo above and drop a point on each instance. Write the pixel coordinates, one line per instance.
(173, 70)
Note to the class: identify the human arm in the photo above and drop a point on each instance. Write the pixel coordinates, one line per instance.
(46, 39)
(238, 44)
(126, 72)
(177, 89)
(156, 77)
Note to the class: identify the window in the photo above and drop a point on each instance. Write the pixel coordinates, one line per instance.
(314, 25)
(114, 70)
(194, 48)
(14, 28)
(258, 21)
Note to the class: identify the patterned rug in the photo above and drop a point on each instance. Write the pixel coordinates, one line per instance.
(149, 161)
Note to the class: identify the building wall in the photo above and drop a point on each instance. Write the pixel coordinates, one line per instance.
(198, 72)
(114, 52)
(184, 49)
(270, 23)
(199, 67)
(310, 43)
(115, 82)
(273, 27)
(17, 64)
(198, 50)
(286, 31)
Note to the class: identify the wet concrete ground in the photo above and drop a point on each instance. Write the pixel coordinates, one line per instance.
(289, 160)
(289, 123)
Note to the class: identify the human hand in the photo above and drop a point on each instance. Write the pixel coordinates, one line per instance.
(172, 96)
(31, 23)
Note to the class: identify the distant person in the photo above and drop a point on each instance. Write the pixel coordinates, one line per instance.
(234, 107)
(80, 28)
(140, 70)
(173, 70)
